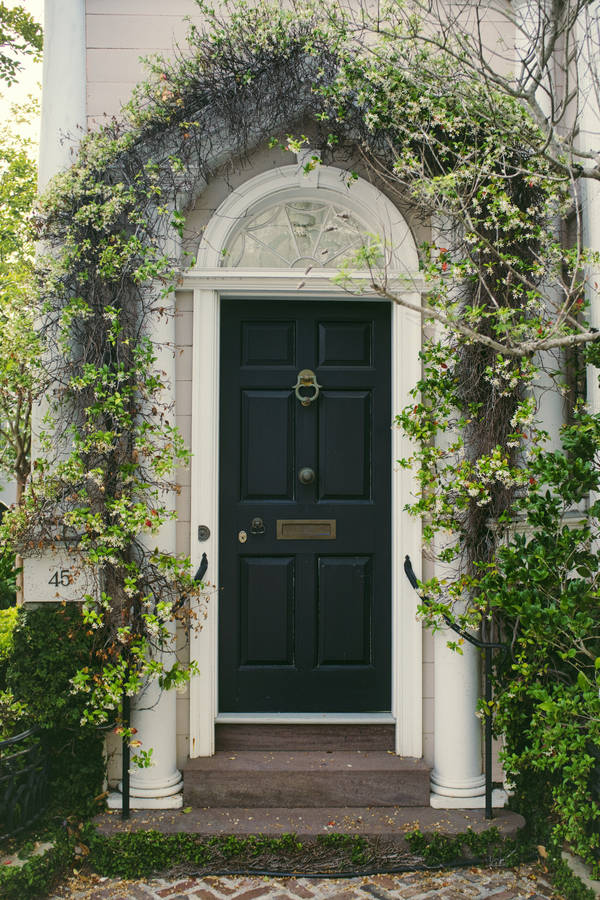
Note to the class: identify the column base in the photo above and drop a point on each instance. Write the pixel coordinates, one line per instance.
(174, 801)
(458, 787)
(159, 787)
(438, 801)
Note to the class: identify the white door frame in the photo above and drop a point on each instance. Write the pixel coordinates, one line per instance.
(209, 283)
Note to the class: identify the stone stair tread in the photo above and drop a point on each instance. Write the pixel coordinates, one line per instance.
(306, 761)
(389, 823)
(251, 778)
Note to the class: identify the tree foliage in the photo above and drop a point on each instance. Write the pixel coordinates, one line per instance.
(20, 36)
(21, 379)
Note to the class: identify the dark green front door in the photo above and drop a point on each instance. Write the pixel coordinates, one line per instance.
(304, 604)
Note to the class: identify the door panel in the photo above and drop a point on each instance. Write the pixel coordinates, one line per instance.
(267, 611)
(304, 620)
(344, 596)
(345, 344)
(267, 465)
(344, 419)
(268, 344)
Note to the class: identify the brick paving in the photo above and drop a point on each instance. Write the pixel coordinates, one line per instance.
(526, 882)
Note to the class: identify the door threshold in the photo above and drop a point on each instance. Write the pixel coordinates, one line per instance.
(374, 718)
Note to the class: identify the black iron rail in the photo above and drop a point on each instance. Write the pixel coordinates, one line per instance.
(488, 647)
(23, 782)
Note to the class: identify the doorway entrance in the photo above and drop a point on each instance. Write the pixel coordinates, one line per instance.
(305, 523)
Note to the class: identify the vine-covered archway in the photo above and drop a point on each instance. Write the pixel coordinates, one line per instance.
(113, 224)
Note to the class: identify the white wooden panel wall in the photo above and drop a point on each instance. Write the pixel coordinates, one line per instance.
(118, 33)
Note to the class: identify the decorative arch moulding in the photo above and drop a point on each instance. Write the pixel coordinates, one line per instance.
(369, 211)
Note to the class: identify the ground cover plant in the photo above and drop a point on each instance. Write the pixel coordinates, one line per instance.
(506, 298)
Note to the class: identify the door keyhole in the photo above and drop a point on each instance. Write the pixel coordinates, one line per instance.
(306, 476)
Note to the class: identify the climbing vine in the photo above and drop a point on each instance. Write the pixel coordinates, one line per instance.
(504, 301)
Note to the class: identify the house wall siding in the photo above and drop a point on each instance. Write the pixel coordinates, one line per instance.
(118, 34)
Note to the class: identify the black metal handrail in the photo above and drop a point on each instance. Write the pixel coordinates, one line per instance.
(487, 647)
(23, 782)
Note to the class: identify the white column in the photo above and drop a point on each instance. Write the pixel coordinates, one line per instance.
(159, 786)
(64, 86)
(62, 126)
(64, 111)
(154, 711)
(457, 779)
(457, 776)
(589, 140)
(550, 403)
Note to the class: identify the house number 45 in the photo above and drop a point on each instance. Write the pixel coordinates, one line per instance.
(61, 577)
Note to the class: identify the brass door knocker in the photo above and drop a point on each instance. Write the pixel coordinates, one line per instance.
(307, 379)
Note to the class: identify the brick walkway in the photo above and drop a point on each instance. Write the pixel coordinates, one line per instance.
(505, 884)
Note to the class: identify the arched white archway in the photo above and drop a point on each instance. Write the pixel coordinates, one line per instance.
(211, 280)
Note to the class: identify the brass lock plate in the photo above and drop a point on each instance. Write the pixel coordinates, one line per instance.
(306, 529)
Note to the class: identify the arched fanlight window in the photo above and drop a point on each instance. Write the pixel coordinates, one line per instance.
(296, 234)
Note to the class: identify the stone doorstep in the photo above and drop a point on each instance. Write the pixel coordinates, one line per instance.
(289, 762)
(388, 824)
(251, 778)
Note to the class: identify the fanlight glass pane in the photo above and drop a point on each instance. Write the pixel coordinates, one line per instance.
(297, 234)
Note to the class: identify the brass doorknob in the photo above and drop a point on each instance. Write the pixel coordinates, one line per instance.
(306, 476)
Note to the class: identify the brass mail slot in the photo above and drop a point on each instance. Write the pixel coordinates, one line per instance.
(306, 529)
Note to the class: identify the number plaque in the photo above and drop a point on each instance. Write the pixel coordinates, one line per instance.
(54, 577)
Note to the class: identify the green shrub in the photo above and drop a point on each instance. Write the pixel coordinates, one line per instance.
(143, 853)
(39, 872)
(8, 620)
(13, 715)
(49, 645)
(8, 584)
(488, 846)
(570, 886)
(544, 587)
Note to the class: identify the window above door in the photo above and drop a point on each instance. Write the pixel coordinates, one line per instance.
(283, 220)
(296, 234)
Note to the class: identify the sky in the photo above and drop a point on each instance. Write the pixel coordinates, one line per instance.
(31, 75)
